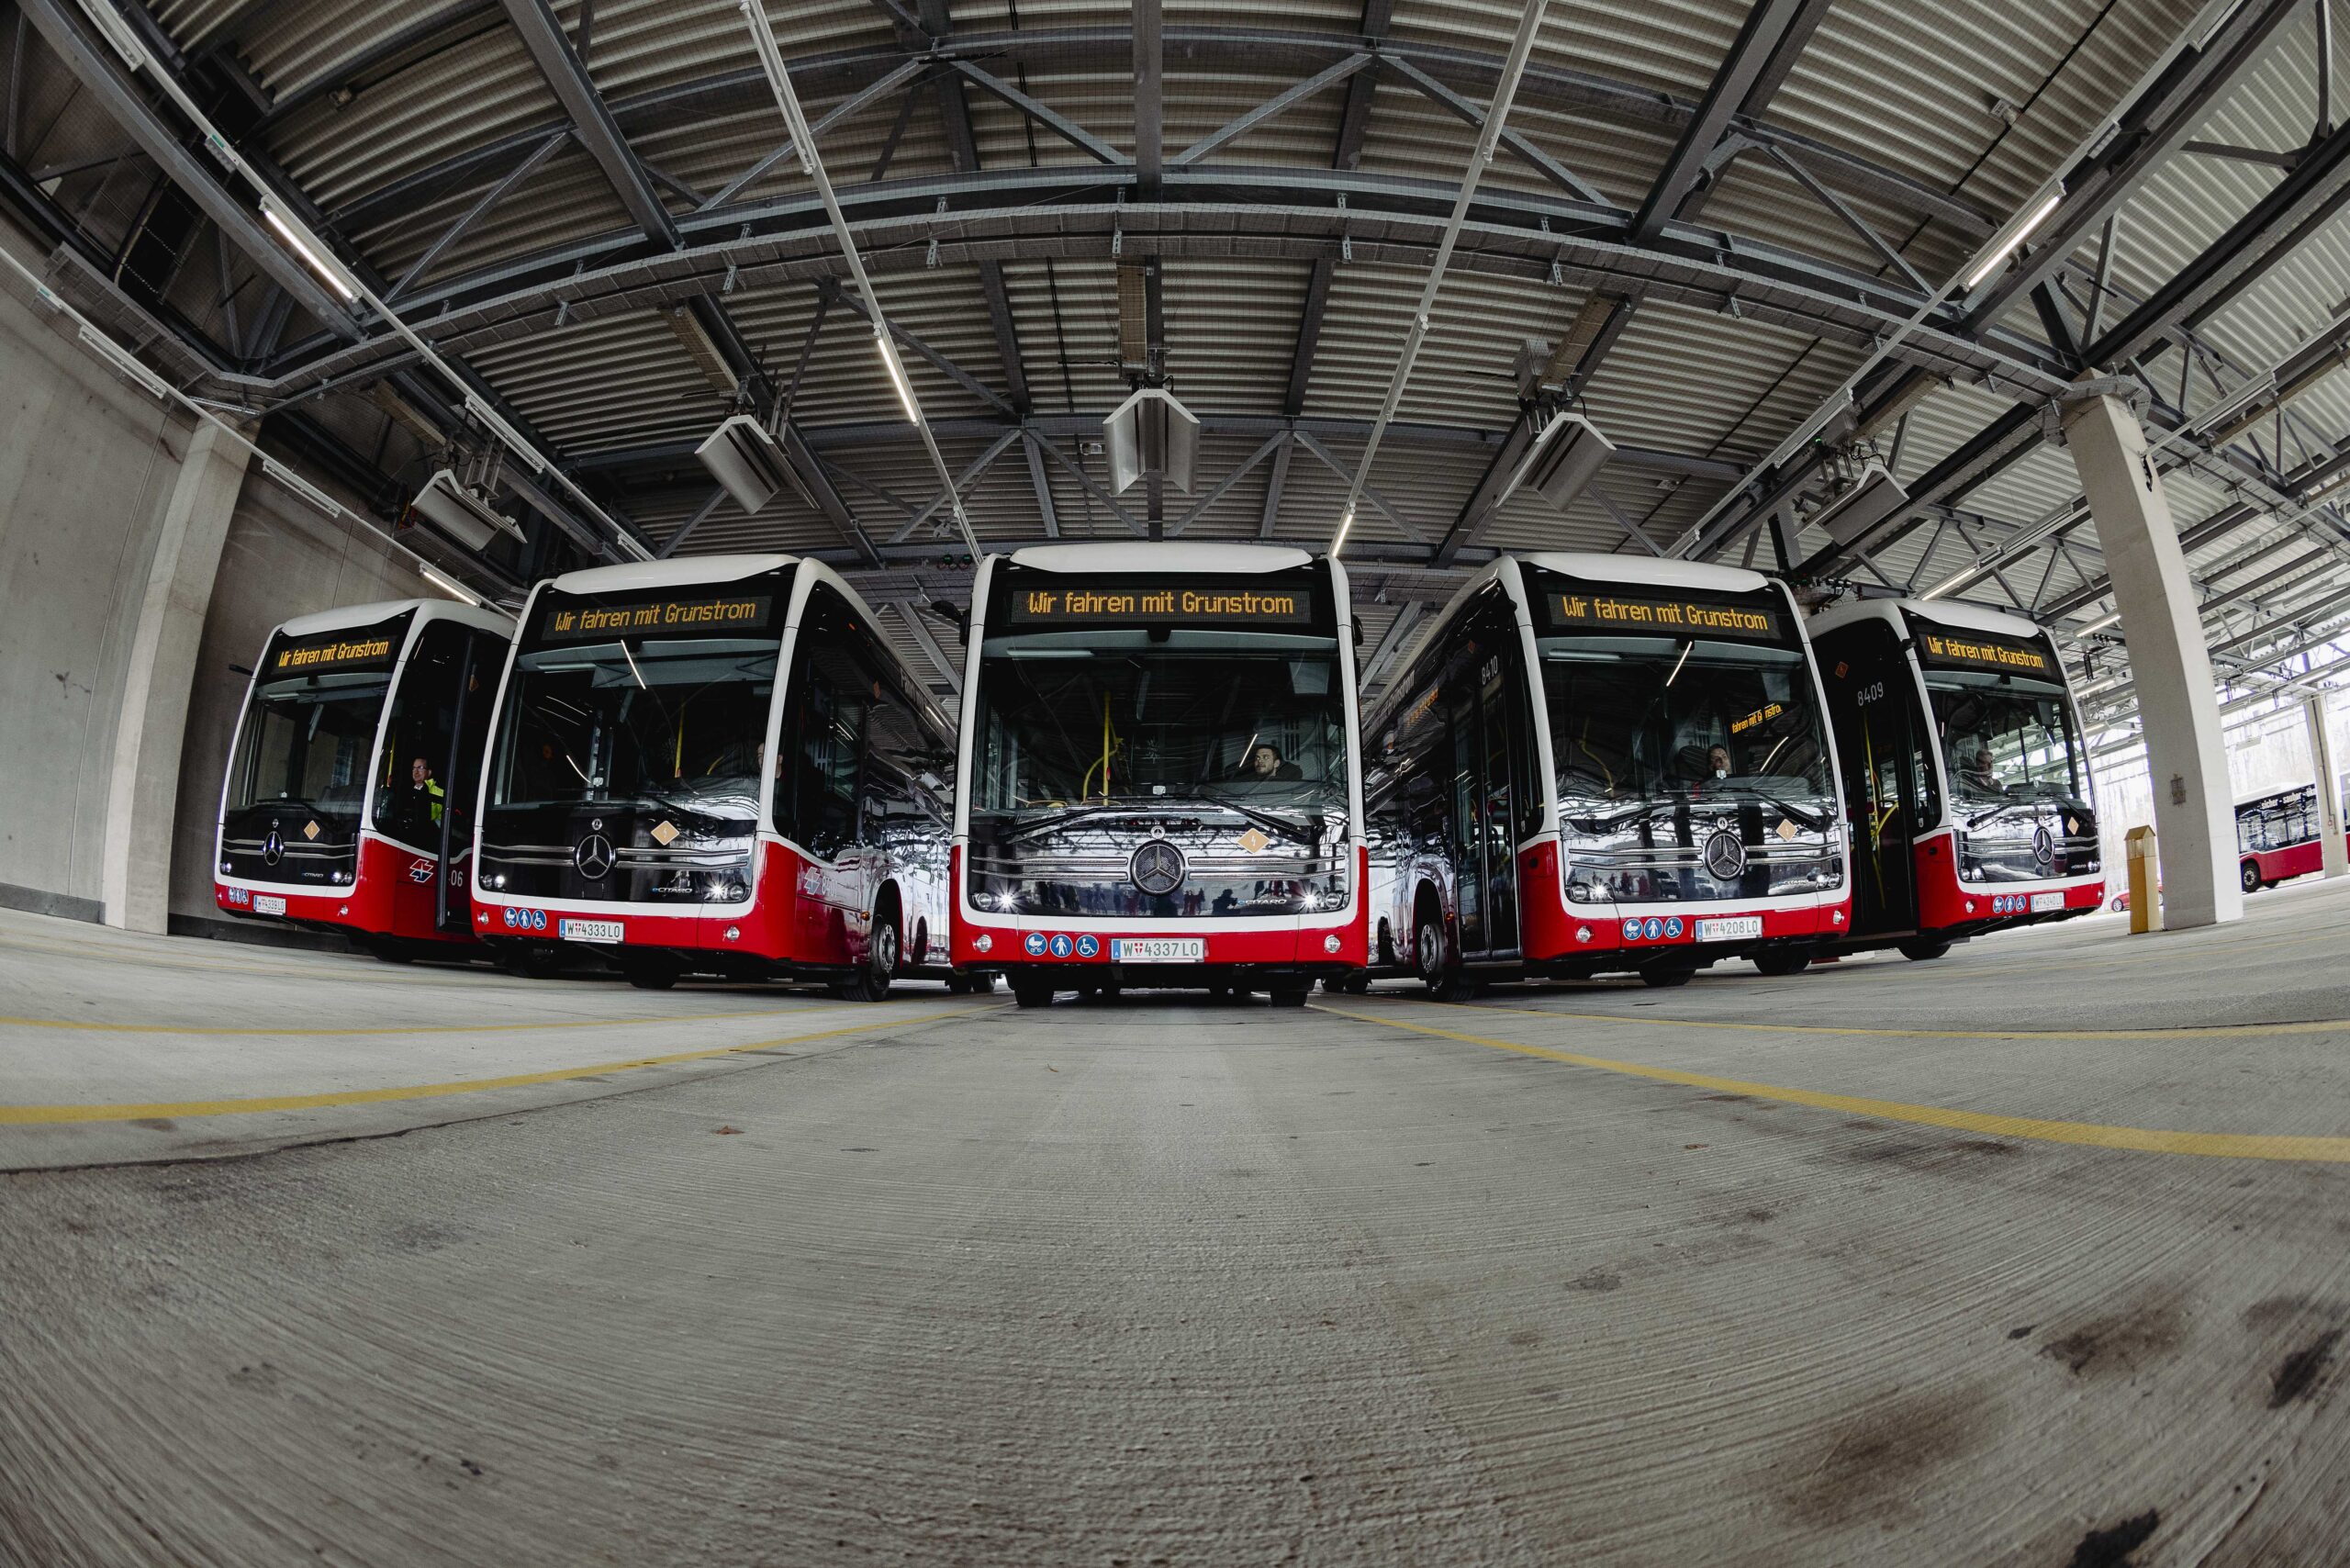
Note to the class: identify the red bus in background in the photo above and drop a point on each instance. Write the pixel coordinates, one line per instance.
(1966, 773)
(1161, 784)
(714, 765)
(348, 802)
(2277, 838)
(1600, 764)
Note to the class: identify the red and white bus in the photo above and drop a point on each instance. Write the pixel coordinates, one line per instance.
(1602, 764)
(2279, 837)
(349, 801)
(1161, 778)
(1965, 772)
(714, 765)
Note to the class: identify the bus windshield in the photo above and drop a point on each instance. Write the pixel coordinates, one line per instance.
(2006, 739)
(664, 724)
(306, 743)
(1254, 720)
(1639, 720)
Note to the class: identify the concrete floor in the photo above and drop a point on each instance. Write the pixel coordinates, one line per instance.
(2039, 1254)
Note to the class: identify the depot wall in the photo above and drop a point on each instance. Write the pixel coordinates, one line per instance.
(87, 463)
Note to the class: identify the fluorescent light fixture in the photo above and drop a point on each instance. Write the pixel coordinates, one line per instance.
(121, 358)
(2110, 618)
(449, 586)
(1150, 431)
(2015, 239)
(1345, 524)
(1874, 496)
(304, 244)
(458, 512)
(897, 372)
(747, 462)
(1563, 460)
(300, 487)
(109, 21)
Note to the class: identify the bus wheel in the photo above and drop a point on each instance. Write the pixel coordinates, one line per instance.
(1350, 984)
(1922, 950)
(1442, 979)
(2252, 876)
(1032, 993)
(1667, 974)
(1777, 962)
(1289, 996)
(652, 974)
(392, 951)
(532, 963)
(871, 982)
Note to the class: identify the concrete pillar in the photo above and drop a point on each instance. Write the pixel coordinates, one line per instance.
(2329, 787)
(143, 790)
(2179, 705)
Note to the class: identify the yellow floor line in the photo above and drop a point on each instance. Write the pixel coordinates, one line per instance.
(2179, 1032)
(41, 1115)
(2147, 1141)
(208, 1029)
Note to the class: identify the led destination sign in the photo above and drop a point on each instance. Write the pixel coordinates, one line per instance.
(1587, 608)
(1058, 603)
(1973, 650)
(699, 615)
(351, 648)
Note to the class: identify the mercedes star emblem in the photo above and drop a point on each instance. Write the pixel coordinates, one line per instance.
(1158, 868)
(2043, 844)
(273, 848)
(1724, 855)
(594, 856)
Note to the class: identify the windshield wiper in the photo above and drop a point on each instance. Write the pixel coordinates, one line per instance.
(1816, 822)
(1062, 818)
(1290, 827)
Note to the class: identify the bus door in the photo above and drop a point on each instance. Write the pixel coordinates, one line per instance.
(475, 691)
(1886, 793)
(1488, 740)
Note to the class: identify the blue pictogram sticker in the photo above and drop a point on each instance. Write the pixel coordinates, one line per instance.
(1034, 943)
(1061, 944)
(1086, 947)
(1631, 931)
(1673, 925)
(511, 916)
(538, 920)
(1652, 928)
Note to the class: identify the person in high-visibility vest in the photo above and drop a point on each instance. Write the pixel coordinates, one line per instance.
(425, 794)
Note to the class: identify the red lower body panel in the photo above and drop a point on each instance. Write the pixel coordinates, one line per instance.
(394, 896)
(786, 922)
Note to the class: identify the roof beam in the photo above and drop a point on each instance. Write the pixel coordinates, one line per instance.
(591, 120)
(963, 151)
(1272, 108)
(1052, 120)
(1200, 48)
(1042, 484)
(1767, 23)
(912, 616)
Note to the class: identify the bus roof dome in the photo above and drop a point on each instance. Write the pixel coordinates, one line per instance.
(1156, 555)
(1636, 569)
(384, 610)
(1974, 617)
(670, 574)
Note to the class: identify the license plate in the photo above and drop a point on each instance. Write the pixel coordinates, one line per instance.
(264, 905)
(1729, 928)
(589, 930)
(1159, 949)
(2043, 903)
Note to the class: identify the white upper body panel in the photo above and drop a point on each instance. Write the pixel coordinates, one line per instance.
(669, 573)
(1160, 555)
(384, 610)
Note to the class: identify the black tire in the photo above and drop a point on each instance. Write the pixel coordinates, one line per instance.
(871, 982)
(1441, 977)
(391, 950)
(1778, 963)
(1667, 975)
(1289, 996)
(651, 976)
(2252, 882)
(532, 963)
(1923, 951)
(1349, 984)
(1033, 993)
